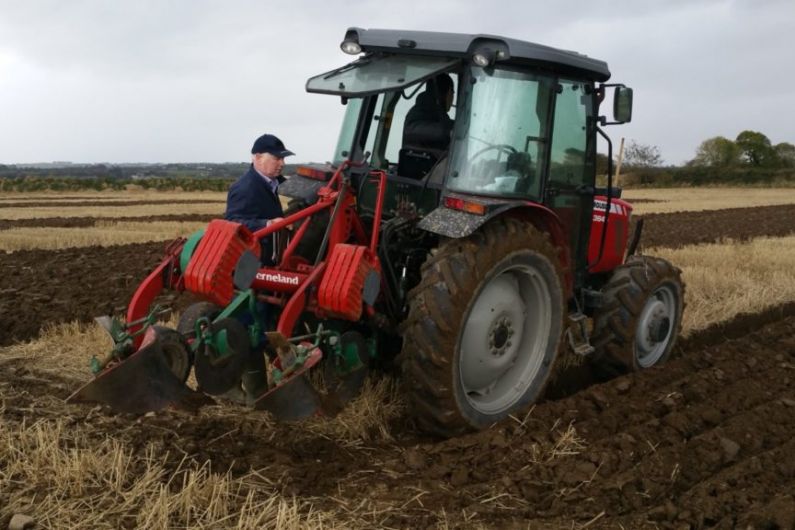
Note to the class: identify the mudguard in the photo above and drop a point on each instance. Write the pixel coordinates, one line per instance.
(457, 224)
(453, 223)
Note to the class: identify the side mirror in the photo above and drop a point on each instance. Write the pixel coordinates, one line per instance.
(622, 104)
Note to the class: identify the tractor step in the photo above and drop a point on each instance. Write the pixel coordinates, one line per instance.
(577, 334)
(582, 349)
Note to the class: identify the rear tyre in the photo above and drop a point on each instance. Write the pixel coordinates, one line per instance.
(176, 354)
(641, 316)
(483, 329)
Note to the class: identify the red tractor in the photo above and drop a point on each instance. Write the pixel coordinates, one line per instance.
(470, 261)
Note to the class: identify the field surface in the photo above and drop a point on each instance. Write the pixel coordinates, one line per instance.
(705, 441)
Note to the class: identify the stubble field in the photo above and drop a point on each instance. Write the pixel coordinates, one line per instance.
(705, 441)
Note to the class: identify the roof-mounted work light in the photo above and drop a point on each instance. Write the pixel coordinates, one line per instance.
(351, 47)
(484, 57)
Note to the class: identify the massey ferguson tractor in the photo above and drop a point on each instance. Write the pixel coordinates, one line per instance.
(471, 264)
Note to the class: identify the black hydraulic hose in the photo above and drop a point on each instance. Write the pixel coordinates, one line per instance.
(386, 234)
(387, 231)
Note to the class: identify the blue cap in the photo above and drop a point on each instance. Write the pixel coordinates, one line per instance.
(267, 143)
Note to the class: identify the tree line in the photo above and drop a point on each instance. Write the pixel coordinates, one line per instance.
(750, 148)
(750, 159)
(30, 184)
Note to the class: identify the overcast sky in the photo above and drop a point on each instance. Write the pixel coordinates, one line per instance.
(197, 81)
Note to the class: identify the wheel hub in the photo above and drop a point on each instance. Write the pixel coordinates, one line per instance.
(658, 329)
(485, 340)
(504, 337)
(654, 330)
(500, 336)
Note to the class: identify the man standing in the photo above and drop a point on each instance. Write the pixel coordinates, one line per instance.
(253, 199)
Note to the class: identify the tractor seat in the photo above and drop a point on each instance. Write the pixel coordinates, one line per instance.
(415, 162)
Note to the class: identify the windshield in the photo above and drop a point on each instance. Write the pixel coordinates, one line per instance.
(503, 134)
(374, 74)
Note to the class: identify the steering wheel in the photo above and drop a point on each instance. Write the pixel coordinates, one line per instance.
(503, 148)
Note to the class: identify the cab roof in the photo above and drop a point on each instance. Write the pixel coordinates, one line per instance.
(465, 44)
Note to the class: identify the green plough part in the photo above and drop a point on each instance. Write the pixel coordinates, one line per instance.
(122, 339)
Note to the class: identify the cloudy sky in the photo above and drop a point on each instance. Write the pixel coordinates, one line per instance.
(192, 81)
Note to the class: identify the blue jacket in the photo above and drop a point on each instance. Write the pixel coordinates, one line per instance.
(251, 203)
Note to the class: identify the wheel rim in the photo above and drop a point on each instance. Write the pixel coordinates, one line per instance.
(656, 326)
(505, 338)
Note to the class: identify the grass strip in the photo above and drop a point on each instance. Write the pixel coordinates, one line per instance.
(103, 233)
(142, 210)
(728, 278)
(698, 199)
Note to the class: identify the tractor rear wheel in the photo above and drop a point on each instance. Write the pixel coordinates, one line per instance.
(640, 318)
(483, 329)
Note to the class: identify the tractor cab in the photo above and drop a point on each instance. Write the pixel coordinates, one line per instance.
(518, 131)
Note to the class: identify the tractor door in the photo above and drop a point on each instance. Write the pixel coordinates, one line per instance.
(572, 173)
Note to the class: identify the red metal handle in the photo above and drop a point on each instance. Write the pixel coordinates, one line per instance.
(163, 276)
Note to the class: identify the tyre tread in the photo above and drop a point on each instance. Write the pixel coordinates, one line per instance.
(625, 296)
(430, 332)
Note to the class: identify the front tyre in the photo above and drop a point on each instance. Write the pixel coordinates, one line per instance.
(641, 316)
(483, 329)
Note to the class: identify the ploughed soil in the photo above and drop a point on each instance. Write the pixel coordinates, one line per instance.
(80, 222)
(689, 228)
(705, 441)
(52, 286)
(659, 230)
(38, 286)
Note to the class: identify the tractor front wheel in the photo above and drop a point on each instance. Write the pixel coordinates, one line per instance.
(640, 317)
(483, 329)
